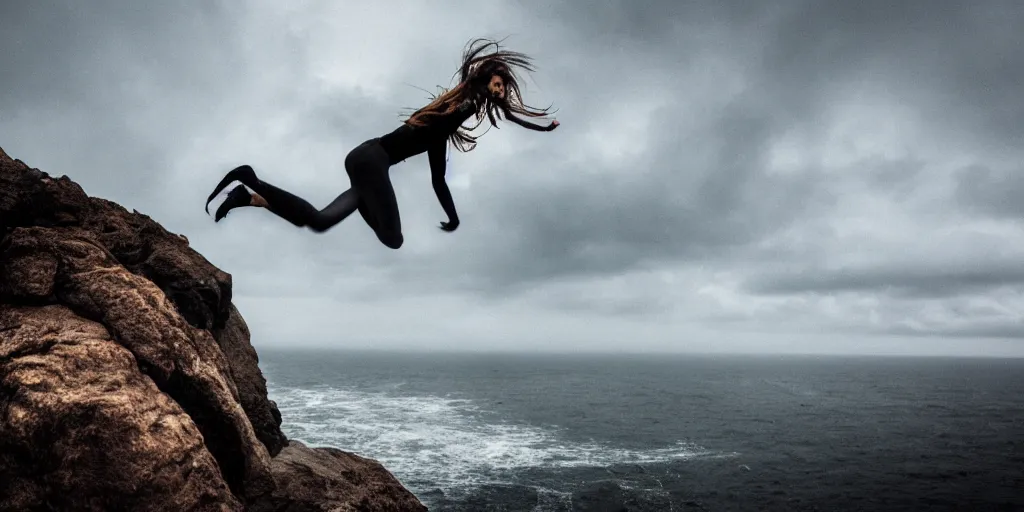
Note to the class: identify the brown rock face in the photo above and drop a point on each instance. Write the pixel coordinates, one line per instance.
(329, 479)
(62, 425)
(127, 380)
(243, 363)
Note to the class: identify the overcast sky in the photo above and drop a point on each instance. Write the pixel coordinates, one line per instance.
(793, 176)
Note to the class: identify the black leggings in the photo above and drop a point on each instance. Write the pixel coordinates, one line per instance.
(372, 194)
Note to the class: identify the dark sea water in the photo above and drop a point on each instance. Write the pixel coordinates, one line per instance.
(677, 433)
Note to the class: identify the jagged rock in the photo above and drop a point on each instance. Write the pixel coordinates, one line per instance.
(329, 479)
(127, 379)
(183, 361)
(83, 428)
(252, 387)
(200, 291)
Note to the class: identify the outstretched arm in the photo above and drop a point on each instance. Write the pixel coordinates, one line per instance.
(437, 177)
(530, 126)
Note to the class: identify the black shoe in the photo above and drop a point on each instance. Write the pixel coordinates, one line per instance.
(238, 197)
(242, 173)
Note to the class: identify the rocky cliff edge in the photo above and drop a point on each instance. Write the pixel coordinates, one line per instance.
(127, 380)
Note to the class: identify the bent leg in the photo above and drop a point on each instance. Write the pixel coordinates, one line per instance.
(367, 167)
(379, 207)
(364, 212)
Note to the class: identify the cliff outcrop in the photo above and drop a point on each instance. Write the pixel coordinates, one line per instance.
(127, 379)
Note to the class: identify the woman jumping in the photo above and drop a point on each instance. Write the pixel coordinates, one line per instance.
(488, 86)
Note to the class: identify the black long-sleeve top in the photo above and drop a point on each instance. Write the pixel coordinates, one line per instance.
(407, 141)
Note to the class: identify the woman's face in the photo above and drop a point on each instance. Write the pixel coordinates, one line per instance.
(496, 87)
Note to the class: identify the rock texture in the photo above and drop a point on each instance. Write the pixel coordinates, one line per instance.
(127, 380)
(307, 477)
(82, 424)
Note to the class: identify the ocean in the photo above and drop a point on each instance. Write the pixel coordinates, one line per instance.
(504, 432)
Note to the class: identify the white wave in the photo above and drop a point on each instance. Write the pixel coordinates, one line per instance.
(431, 442)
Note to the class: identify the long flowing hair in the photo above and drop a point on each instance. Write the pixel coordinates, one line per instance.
(474, 74)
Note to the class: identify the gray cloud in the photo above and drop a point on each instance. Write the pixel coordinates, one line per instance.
(682, 205)
(905, 281)
(999, 331)
(717, 162)
(987, 192)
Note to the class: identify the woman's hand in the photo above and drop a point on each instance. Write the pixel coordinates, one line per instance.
(553, 125)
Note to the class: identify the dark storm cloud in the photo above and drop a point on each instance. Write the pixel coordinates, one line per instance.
(982, 190)
(668, 208)
(1004, 330)
(70, 55)
(654, 22)
(958, 63)
(116, 94)
(920, 280)
(707, 194)
(673, 115)
(104, 77)
(964, 55)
